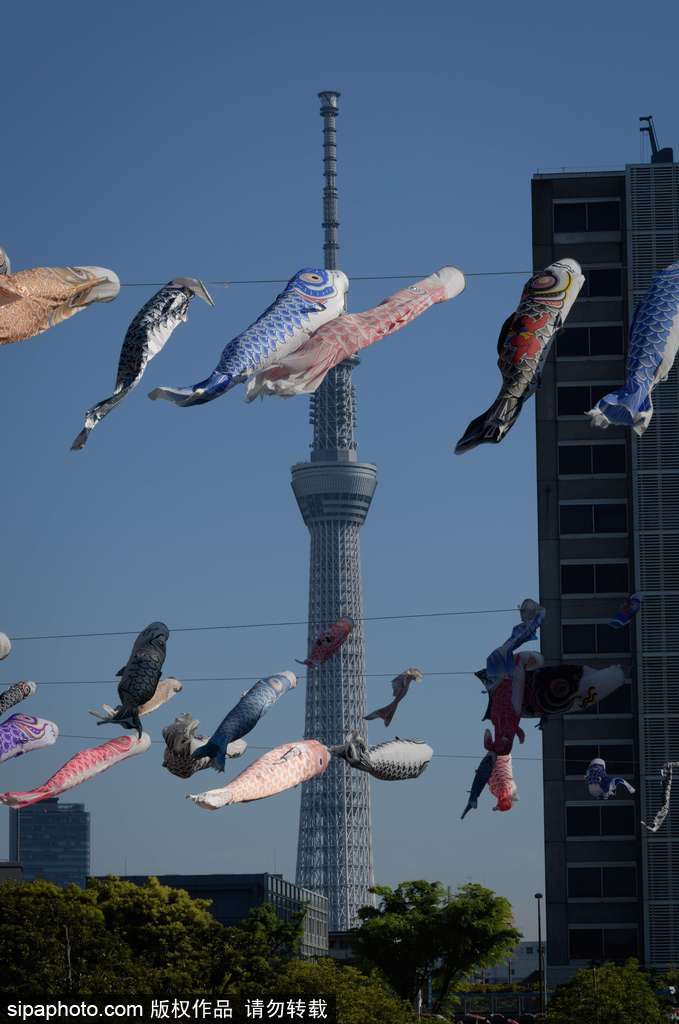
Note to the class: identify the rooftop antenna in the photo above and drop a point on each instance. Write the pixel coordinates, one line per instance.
(658, 156)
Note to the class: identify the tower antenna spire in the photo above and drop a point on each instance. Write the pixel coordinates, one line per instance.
(334, 491)
(658, 156)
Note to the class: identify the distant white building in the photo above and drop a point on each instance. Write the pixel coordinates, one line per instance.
(523, 961)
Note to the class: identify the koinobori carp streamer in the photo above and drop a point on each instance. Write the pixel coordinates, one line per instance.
(311, 298)
(140, 676)
(82, 767)
(32, 301)
(525, 340)
(145, 338)
(304, 370)
(282, 768)
(21, 733)
(242, 718)
(653, 344)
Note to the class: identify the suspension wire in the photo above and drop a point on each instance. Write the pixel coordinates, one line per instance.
(369, 277)
(236, 679)
(264, 625)
(446, 756)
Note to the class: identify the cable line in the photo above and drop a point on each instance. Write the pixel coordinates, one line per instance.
(368, 277)
(232, 679)
(263, 625)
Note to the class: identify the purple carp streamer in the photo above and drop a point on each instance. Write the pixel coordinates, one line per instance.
(666, 783)
(145, 338)
(21, 733)
(5, 646)
(181, 742)
(32, 301)
(165, 691)
(82, 767)
(652, 349)
(282, 768)
(311, 298)
(399, 686)
(15, 693)
(600, 784)
(525, 340)
(304, 370)
(393, 761)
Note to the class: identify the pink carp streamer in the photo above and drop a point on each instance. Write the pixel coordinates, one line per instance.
(501, 783)
(82, 767)
(32, 301)
(282, 768)
(304, 370)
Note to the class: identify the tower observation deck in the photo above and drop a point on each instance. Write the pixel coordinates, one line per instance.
(334, 491)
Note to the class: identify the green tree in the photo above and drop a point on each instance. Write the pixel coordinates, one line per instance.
(54, 941)
(418, 932)
(361, 998)
(253, 952)
(608, 994)
(173, 939)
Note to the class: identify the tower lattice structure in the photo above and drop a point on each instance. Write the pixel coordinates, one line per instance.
(334, 491)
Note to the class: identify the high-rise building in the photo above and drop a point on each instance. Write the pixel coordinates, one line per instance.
(608, 513)
(51, 841)
(334, 491)
(233, 896)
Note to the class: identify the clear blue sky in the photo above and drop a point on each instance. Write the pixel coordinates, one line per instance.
(163, 139)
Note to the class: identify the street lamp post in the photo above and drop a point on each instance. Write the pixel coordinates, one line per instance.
(538, 897)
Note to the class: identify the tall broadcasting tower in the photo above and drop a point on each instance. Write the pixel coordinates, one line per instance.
(334, 491)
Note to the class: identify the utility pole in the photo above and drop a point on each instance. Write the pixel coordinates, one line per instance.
(541, 963)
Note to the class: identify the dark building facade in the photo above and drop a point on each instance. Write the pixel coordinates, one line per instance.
(233, 896)
(10, 871)
(51, 841)
(608, 514)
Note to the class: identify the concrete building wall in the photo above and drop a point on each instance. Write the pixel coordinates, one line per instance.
(586, 566)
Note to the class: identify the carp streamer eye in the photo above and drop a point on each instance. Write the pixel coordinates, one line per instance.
(311, 278)
(544, 282)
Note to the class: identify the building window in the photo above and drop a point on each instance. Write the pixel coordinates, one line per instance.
(594, 638)
(595, 578)
(584, 883)
(577, 399)
(619, 758)
(602, 943)
(592, 459)
(583, 821)
(586, 943)
(594, 820)
(589, 519)
(602, 283)
(587, 216)
(619, 882)
(594, 340)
